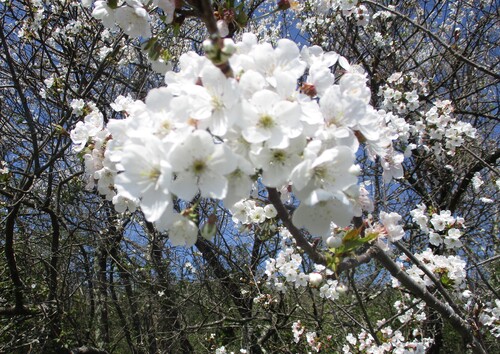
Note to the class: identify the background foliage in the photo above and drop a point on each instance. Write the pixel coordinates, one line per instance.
(74, 273)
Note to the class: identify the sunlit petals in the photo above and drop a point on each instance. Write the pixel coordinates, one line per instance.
(317, 218)
(200, 165)
(269, 119)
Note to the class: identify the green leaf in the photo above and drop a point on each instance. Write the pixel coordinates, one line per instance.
(446, 281)
(177, 28)
(350, 246)
(149, 43)
(370, 237)
(350, 235)
(239, 8)
(241, 18)
(113, 4)
(332, 261)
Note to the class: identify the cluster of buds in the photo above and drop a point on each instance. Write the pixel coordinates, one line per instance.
(219, 50)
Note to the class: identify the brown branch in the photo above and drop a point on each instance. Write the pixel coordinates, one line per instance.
(11, 258)
(435, 37)
(9, 248)
(274, 198)
(207, 15)
(464, 183)
(15, 311)
(353, 262)
(363, 309)
(209, 255)
(24, 102)
(346, 264)
(460, 325)
(431, 275)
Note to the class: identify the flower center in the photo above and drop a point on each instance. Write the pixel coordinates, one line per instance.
(153, 174)
(279, 156)
(217, 103)
(266, 122)
(199, 166)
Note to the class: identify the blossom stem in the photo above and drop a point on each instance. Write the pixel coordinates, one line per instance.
(206, 15)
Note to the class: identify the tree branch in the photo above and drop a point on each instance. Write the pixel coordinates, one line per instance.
(299, 237)
(446, 311)
(447, 47)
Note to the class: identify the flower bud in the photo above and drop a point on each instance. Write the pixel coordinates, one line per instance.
(341, 288)
(209, 47)
(223, 28)
(308, 89)
(334, 241)
(315, 279)
(229, 47)
(284, 5)
(209, 229)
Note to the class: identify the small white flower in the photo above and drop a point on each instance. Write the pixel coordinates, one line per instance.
(77, 106)
(270, 211)
(389, 220)
(257, 215)
(133, 19)
(104, 13)
(267, 118)
(49, 82)
(182, 231)
(146, 179)
(79, 136)
(200, 165)
(315, 279)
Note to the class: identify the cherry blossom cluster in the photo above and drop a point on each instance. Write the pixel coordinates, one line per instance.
(393, 341)
(449, 270)
(485, 313)
(132, 16)
(411, 310)
(36, 7)
(141, 19)
(478, 184)
(402, 92)
(388, 229)
(490, 317)
(443, 130)
(286, 266)
(381, 40)
(4, 169)
(311, 337)
(265, 300)
(89, 139)
(213, 135)
(325, 12)
(477, 181)
(432, 128)
(247, 211)
(223, 350)
(442, 228)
